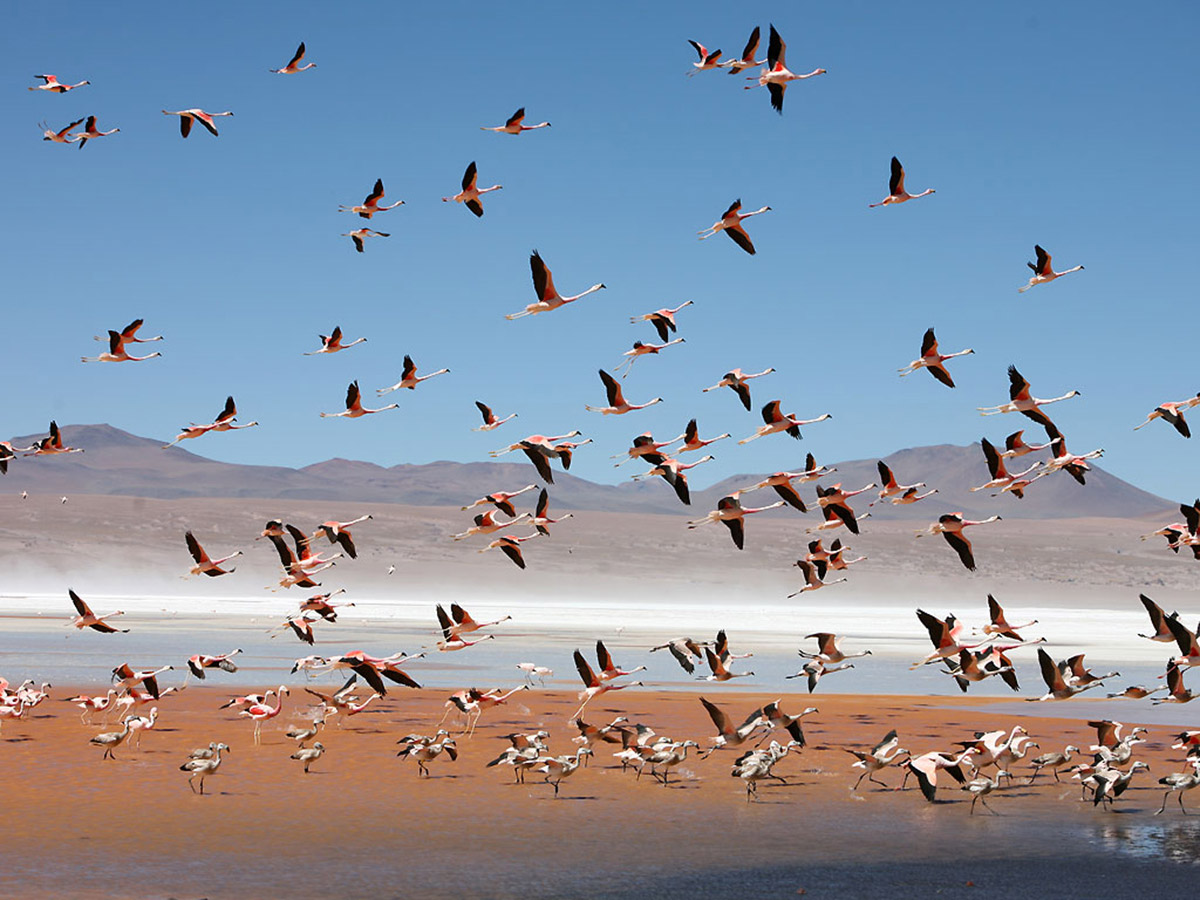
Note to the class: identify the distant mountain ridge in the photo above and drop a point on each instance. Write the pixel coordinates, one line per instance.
(119, 463)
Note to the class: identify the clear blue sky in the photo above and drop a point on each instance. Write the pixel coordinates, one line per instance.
(1072, 125)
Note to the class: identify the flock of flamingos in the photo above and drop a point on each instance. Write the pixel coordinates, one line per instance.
(965, 656)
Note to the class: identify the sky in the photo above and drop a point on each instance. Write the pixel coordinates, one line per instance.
(1072, 125)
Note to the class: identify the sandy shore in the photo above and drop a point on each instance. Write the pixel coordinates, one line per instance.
(363, 825)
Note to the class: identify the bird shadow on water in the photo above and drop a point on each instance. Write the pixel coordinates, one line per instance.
(1177, 841)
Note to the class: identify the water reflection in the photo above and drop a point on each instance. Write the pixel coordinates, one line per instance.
(1178, 841)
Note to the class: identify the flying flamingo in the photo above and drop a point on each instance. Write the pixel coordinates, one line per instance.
(1075, 464)
(888, 486)
(88, 619)
(782, 482)
(736, 380)
(464, 623)
(58, 137)
(486, 524)
(776, 75)
(731, 223)
(776, 422)
(747, 60)
(510, 546)
(319, 603)
(1000, 625)
(332, 342)
(490, 420)
(692, 440)
(1042, 271)
(1014, 446)
(642, 349)
(51, 83)
(1172, 413)
(513, 125)
(673, 473)
(292, 68)
(946, 636)
(718, 670)
(127, 677)
(502, 500)
(223, 422)
(541, 518)
(880, 756)
(663, 320)
(731, 512)
(814, 576)
(593, 684)
(187, 116)
(1001, 477)
(609, 669)
(547, 294)
(354, 407)
(470, 193)
(540, 449)
(727, 734)
(339, 533)
(90, 131)
(931, 360)
(369, 207)
(409, 378)
(707, 60)
(359, 234)
(1057, 686)
(205, 565)
(644, 447)
(950, 526)
(52, 444)
(129, 334)
(117, 352)
(451, 640)
(1020, 400)
(617, 405)
(834, 499)
(896, 191)
(198, 662)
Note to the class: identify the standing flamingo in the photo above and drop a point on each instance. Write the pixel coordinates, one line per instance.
(776, 75)
(547, 294)
(1042, 271)
(261, 712)
(731, 223)
(513, 125)
(896, 191)
(292, 68)
(470, 193)
(931, 360)
(187, 116)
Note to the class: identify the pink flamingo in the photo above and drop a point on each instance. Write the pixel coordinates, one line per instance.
(731, 223)
(354, 408)
(776, 75)
(502, 500)
(888, 486)
(369, 207)
(490, 420)
(548, 297)
(486, 523)
(950, 526)
(187, 116)
(776, 422)
(359, 234)
(617, 404)
(663, 320)
(117, 352)
(339, 533)
(58, 137)
(513, 125)
(641, 348)
(261, 712)
(52, 84)
(470, 193)
(293, 65)
(644, 446)
(707, 60)
(1042, 272)
(204, 564)
(1020, 400)
(731, 512)
(52, 444)
(692, 440)
(673, 473)
(409, 378)
(736, 380)
(747, 60)
(1075, 464)
(834, 499)
(510, 546)
(332, 342)
(90, 131)
(1001, 477)
(896, 191)
(1014, 446)
(593, 685)
(1173, 414)
(932, 360)
(85, 618)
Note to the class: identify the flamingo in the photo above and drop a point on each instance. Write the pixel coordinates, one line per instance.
(1014, 446)
(139, 724)
(931, 360)
(897, 194)
(513, 125)
(470, 193)
(707, 60)
(52, 444)
(1001, 477)
(1052, 761)
(559, 767)
(205, 565)
(510, 546)
(879, 757)
(111, 740)
(736, 380)
(1042, 271)
(1177, 783)
(776, 422)
(1057, 686)
(425, 752)
(673, 473)
(1173, 414)
(540, 449)
(731, 223)
(776, 75)
(1158, 619)
(187, 116)
(409, 378)
(925, 768)
(663, 320)
(292, 68)
(642, 349)
(85, 618)
(834, 499)
(117, 352)
(541, 519)
(129, 334)
(617, 405)
(782, 482)
(950, 526)
(202, 768)
(593, 684)
(332, 342)
(502, 500)
(52, 84)
(888, 486)
(609, 669)
(531, 669)
(91, 705)
(692, 440)
(90, 131)
(1075, 464)
(354, 407)
(727, 734)
(1176, 692)
(814, 669)
(58, 137)
(319, 603)
(644, 447)
(754, 766)
(261, 712)
(339, 533)
(452, 639)
(979, 788)
(814, 576)
(970, 668)
(1020, 400)
(718, 670)
(827, 649)
(486, 524)
(548, 297)
(946, 636)
(360, 234)
(490, 420)
(368, 208)
(687, 652)
(198, 662)
(223, 422)
(746, 60)
(731, 512)
(127, 677)
(998, 624)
